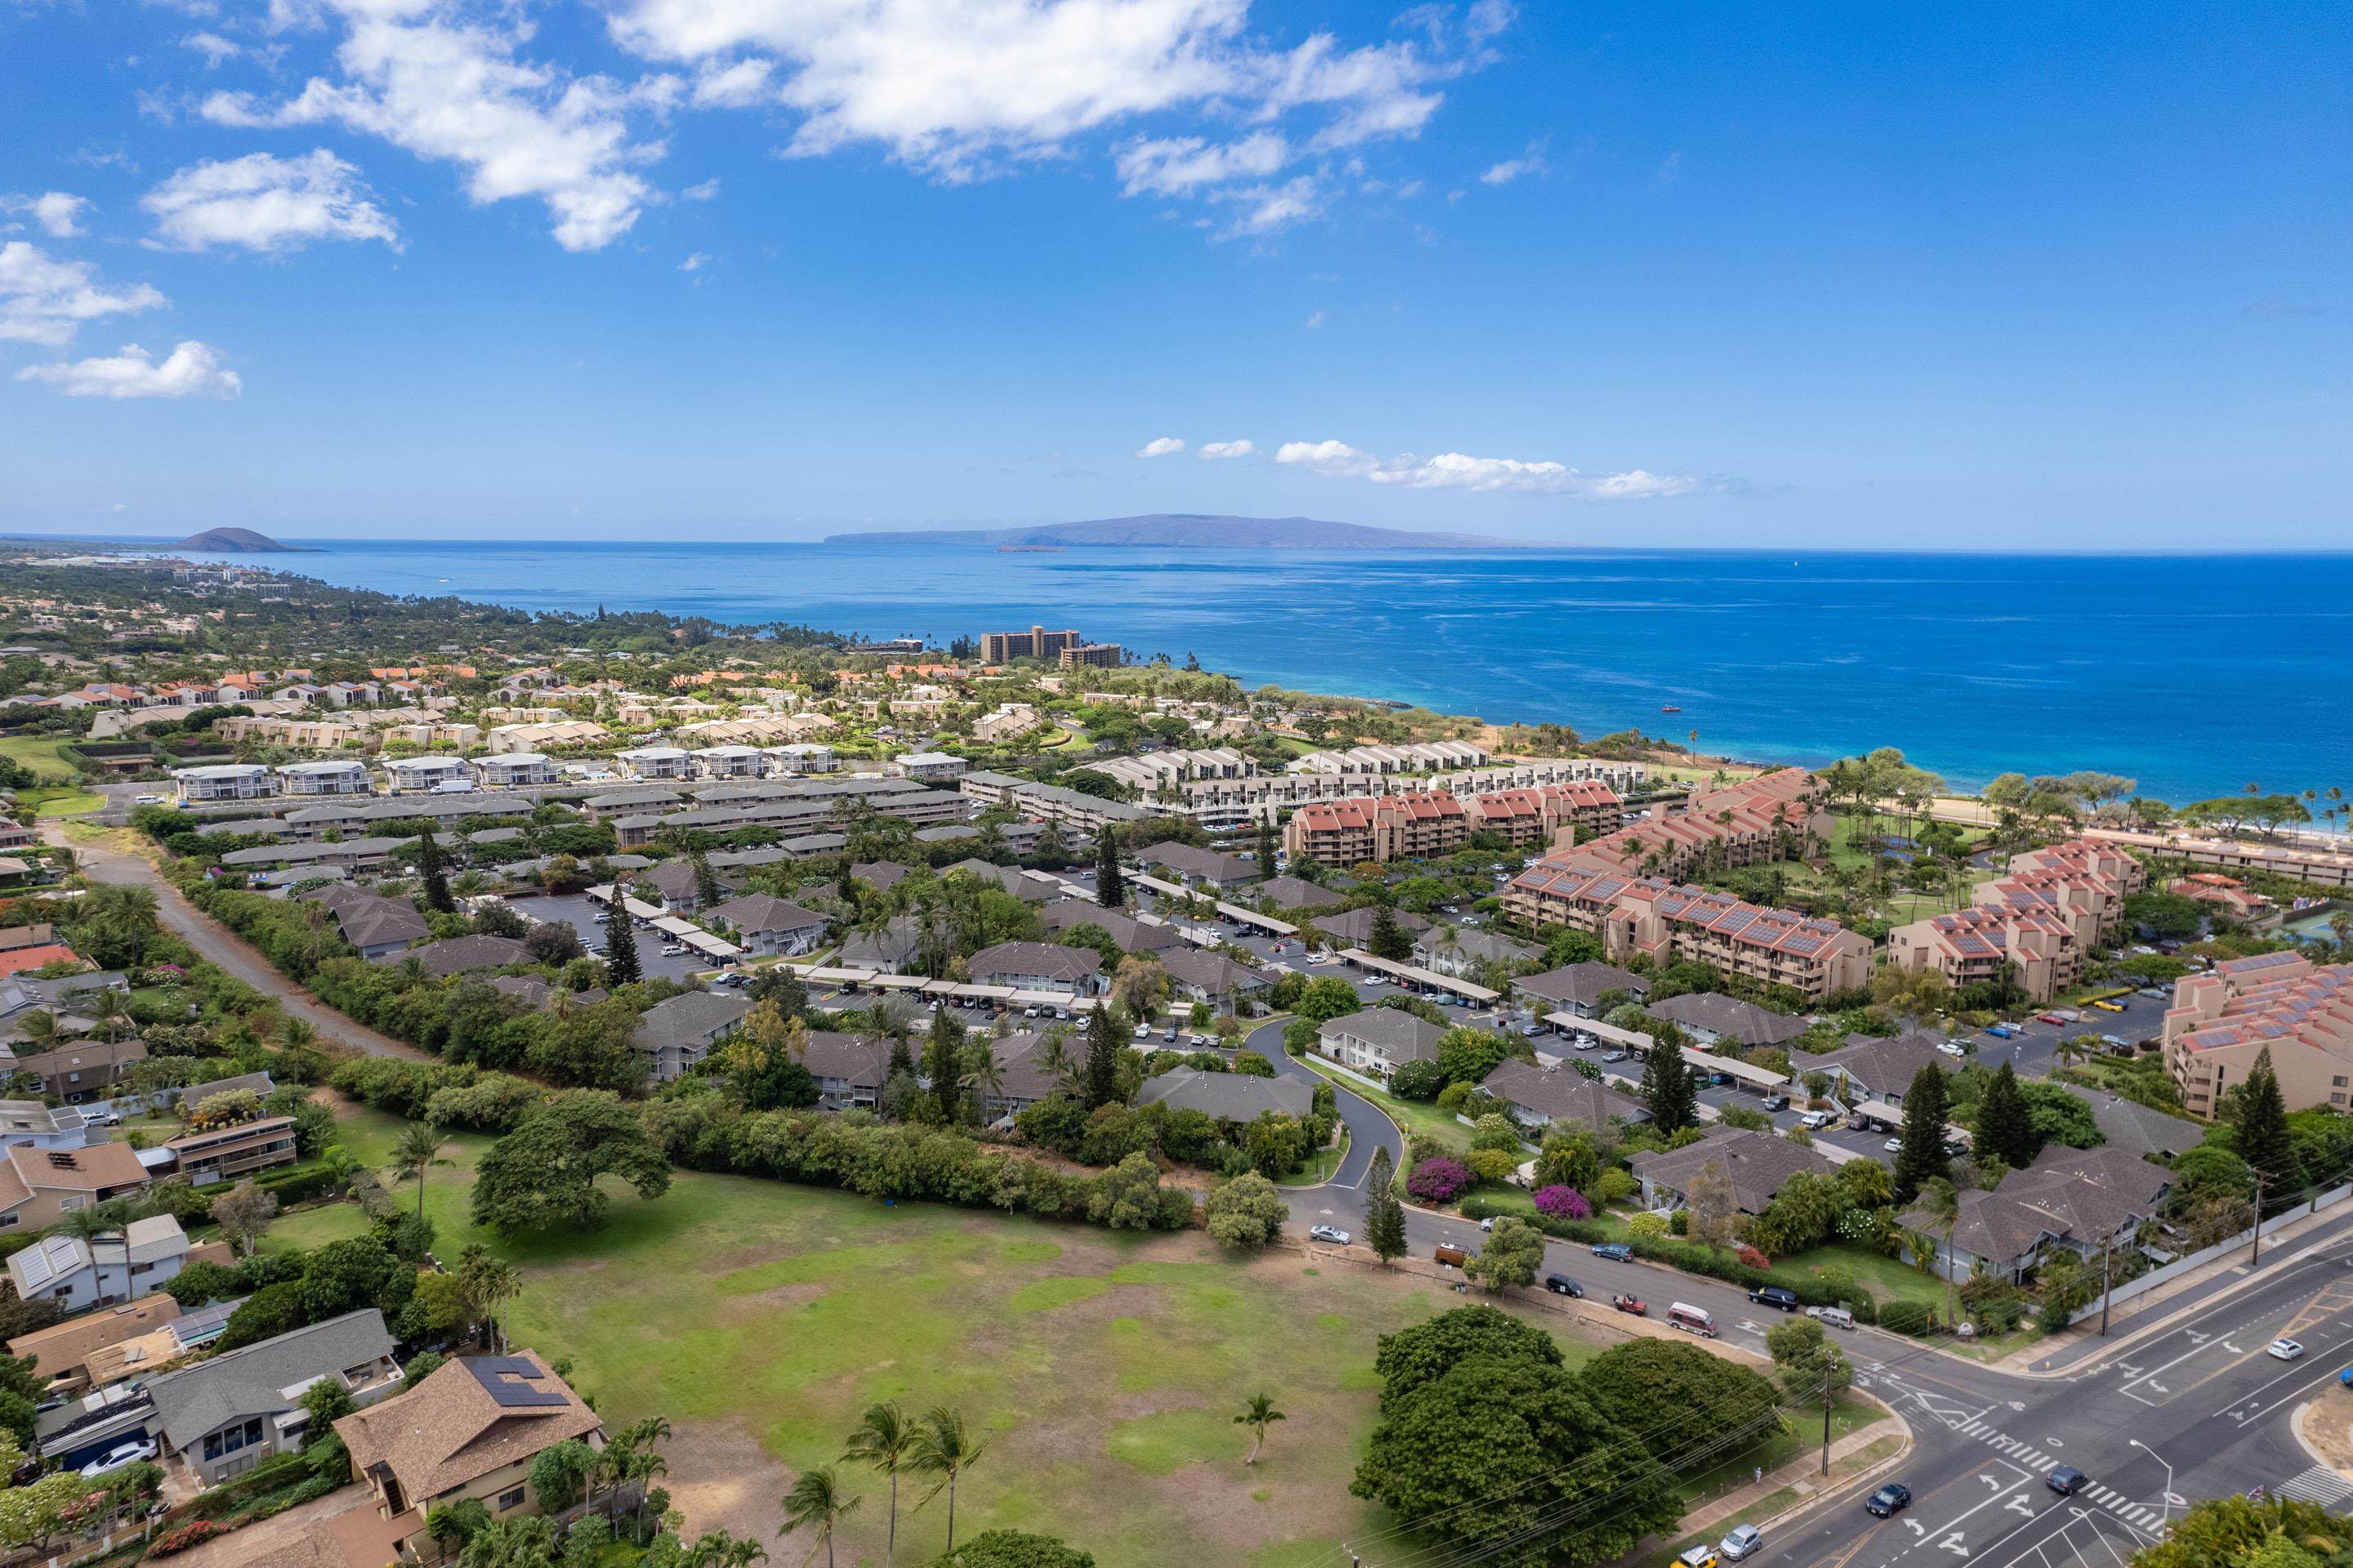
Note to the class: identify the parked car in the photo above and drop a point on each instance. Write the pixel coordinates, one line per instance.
(1615, 1056)
(1616, 1252)
(2002, 1030)
(1774, 1296)
(2066, 1480)
(1143, 1031)
(1450, 1256)
(1815, 1120)
(2285, 1349)
(1777, 1102)
(148, 800)
(673, 950)
(1888, 1500)
(1952, 1048)
(2109, 1006)
(1700, 1556)
(1632, 1305)
(2049, 1018)
(1892, 1145)
(1740, 1541)
(1562, 1284)
(120, 1457)
(1831, 1316)
(1488, 1224)
(1332, 1234)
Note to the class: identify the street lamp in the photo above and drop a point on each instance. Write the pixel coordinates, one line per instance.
(2166, 1507)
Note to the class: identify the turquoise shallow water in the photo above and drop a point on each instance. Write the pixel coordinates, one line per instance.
(2195, 675)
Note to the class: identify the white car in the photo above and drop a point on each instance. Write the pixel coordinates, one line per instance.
(1143, 1031)
(118, 1457)
(1815, 1120)
(148, 800)
(1743, 1542)
(1893, 1145)
(1950, 1048)
(673, 950)
(1332, 1234)
(2284, 1350)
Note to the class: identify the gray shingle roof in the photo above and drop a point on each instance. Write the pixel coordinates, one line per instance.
(1562, 1094)
(1581, 985)
(1212, 972)
(764, 912)
(251, 1381)
(1045, 959)
(458, 954)
(1756, 1163)
(1228, 1097)
(1743, 1023)
(689, 1019)
(1401, 1036)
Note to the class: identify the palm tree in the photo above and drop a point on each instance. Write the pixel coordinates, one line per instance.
(885, 1439)
(1941, 1201)
(94, 1223)
(416, 1151)
(944, 1448)
(486, 1281)
(815, 1500)
(1258, 1415)
(40, 1029)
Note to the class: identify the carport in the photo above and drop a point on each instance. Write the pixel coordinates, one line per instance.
(1568, 1023)
(1887, 1115)
(1233, 912)
(825, 975)
(1415, 975)
(1748, 1075)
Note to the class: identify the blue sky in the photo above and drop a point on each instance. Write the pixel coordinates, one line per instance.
(1990, 277)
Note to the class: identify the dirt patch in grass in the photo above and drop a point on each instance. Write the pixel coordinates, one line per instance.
(721, 1479)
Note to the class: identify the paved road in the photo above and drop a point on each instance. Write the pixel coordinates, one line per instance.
(1369, 1128)
(215, 944)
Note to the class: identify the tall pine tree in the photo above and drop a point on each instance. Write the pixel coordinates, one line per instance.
(1103, 1060)
(1920, 1158)
(1389, 939)
(2005, 1125)
(1384, 1216)
(707, 891)
(1668, 1090)
(621, 966)
(1266, 848)
(944, 1066)
(1110, 882)
(2259, 1115)
(430, 872)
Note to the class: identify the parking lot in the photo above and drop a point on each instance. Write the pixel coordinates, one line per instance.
(579, 911)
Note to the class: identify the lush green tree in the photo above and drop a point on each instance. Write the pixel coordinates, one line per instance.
(1384, 1213)
(1015, 1549)
(2005, 1128)
(2258, 1118)
(559, 1474)
(1102, 1068)
(1275, 1144)
(432, 876)
(1676, 1395)
(544, 1173)
(1258, 1415)
(243, 1213)
(1420, 1353)
(1501, 1451)
(1668, 1089)
(2167, 915)
(414, 1152)
(325, 1401)
(1806, 1359)
(1110, 881)
(1568, 1158)
(1922, 1158)
(1325, 997)
(943, 1064)
(1389, 939)
(2239, 1532)
(621, 967)
(1246, 1212)
(1513, 1252)
(2058, 1114)
(1467, 1055)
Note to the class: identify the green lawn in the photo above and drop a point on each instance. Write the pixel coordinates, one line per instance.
(1320, 1167)
(1416, 1117)
(63, 803)
(40, 754)
(1888, 1280)
(762, 1318)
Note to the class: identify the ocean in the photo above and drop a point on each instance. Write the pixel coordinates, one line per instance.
(2194, 675)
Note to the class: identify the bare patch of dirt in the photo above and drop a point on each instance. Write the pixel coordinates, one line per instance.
(720, 1479)
(759, 1304)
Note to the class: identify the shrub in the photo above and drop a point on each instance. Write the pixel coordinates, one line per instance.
(1562, 1202)
(1751, 1256)
(1440, 1179)
(1647, 1224)
(182, 1537)
(1615, 1186)
(1904, 1318)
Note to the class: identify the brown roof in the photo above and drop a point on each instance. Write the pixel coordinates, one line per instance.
(84, 1169)
(61, 1347)
(466, 1420)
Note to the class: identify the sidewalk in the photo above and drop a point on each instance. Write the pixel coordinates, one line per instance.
(2177, 1298)
(1791, 1490)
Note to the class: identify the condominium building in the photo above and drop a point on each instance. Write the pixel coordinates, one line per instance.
(1540, 815)
(1418, 756)
(1231, 802)
(733, 762)
(333, 778)
(2283, 1003)
(1671, 921)
(2226, 895)
(1382, 828)
(1048, 802)
(2039, 920)
(1005, 721)
(294, 734)
(1155, 772)
(225, 781)
(805, 756)
(525, 740)
(1003, 646)
(413, 775)
(654, 762)
(1763, 818)
(514, 768)
(1093, 655)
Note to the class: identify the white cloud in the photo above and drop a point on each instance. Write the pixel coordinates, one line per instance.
(1456, 470)
(703, 191)
(964, 88)
(43, 298)
(1528, 162)
(696, 262)
(194, 370)
(1215, 450)
(447, 90)
(57, 213)
(213, 47)
(1160, 446)
(1314, 322)
(264, 203)
(1269, 207)
(1486, 18)
(1178, 166)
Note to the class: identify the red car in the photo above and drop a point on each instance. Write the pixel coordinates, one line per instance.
(2050, 1018)
(1630, 1304)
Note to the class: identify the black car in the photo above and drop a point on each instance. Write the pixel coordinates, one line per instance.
(1562, 1284)
(2066, 1480)
(1616, 1252)
(1777, 1102)
(1774, 1296)
(1888, 1500)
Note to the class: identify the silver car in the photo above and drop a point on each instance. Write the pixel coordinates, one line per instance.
(1332, 1234)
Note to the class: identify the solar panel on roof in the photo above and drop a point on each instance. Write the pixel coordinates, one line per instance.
(509, 1381)
(203, 1324)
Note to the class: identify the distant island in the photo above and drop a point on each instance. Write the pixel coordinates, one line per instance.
(239, 542)
(1198, 531)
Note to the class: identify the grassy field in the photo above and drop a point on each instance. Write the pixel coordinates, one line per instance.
(1888, 1280)
(69, 803)
(39, 754)
(761, 1319)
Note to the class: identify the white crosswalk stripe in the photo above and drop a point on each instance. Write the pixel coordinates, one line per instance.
(2319, 1484)
(2316, 1485)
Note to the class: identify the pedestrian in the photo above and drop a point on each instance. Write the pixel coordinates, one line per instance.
(1760, 1474)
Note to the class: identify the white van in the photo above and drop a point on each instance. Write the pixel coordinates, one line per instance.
(1690, 1320)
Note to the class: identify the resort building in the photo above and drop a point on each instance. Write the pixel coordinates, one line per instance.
(1048, 802)
(225, 781)
(1382, 829)
(419, 775)
(512, 768)
(1004, 646)
(1548, 813)
(2226, 895)
(1767, 817)
(337, 777)
(1672, 921)
(2034, 943)
(2222, 1019)
(1093, 655)
(1380, 761)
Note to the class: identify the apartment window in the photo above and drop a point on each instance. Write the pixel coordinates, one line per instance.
(511, 1500)
(2338, 1082)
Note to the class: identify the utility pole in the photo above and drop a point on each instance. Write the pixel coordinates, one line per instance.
(2107, 1277)
(2255, 1251)
(1826, 1417)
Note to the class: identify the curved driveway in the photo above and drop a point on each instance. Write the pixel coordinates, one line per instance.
(1369, 1127)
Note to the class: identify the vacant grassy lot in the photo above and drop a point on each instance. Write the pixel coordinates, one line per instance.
(761, 1319)
(39, 754)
